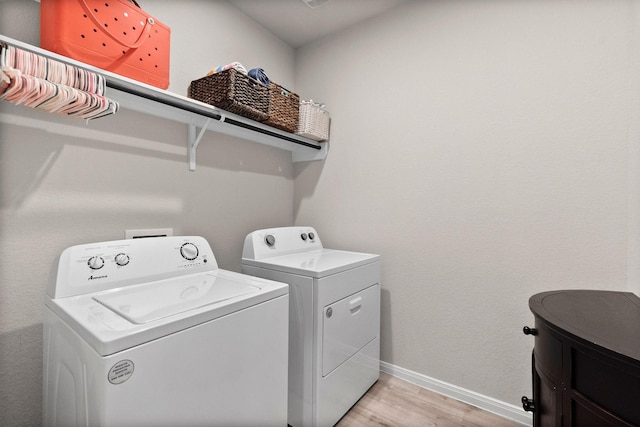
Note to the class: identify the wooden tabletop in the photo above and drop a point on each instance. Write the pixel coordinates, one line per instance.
(608, 319)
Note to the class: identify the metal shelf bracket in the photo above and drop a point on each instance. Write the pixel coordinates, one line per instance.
(193, 140)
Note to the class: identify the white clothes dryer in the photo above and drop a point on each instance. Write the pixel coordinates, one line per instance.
(334, 319)
(150, 332)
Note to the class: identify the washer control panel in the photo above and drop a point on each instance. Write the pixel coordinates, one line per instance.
(280, 241)
(106, 265)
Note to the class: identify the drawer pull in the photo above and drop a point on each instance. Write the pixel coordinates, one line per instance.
(529, 331)
(527, 404)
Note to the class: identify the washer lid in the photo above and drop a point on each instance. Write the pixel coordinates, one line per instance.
(316, 263)
(146, 303)
(109, 320)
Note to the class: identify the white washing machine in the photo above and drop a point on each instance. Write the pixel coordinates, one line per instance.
(334, 319)
(150, 332)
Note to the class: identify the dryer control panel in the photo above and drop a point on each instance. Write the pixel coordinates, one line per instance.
(100, 266)
(272, 242)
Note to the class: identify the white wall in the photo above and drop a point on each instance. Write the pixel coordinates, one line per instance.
(484, 149)
(74, 183)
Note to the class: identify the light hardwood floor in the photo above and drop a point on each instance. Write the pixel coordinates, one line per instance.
(394, 402)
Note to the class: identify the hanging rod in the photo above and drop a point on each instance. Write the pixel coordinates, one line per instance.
(193, 107)
(270, 133)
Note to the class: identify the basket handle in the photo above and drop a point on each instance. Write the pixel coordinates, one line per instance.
(136, 44)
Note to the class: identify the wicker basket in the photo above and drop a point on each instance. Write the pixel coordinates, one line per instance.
(233, 91)
(283, 109)
(314, 121)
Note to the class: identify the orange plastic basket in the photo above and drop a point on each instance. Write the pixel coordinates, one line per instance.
(114, 35)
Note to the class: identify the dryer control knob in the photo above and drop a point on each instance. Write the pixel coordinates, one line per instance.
(189, 251)
(312, 236)
(122, 259)
(270, 239)
(95, 262)
(303, 236)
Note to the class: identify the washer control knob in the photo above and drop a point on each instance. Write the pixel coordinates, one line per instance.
(95, 262)
(189, 251)
(303, 236)
(270, 240)
(312, 236)
(122, 259)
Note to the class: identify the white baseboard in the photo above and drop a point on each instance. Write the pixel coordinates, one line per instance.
(505, 410)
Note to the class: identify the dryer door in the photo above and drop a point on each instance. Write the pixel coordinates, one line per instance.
(348, 325)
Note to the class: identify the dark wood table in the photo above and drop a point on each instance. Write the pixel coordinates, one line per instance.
(586, 359)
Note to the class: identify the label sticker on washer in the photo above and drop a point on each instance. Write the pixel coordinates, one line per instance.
(120, 372)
